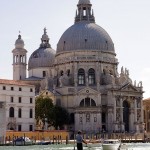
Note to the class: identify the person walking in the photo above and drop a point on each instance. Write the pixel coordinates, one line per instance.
(80, 140)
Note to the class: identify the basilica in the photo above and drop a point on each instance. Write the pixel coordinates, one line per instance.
(82, 76)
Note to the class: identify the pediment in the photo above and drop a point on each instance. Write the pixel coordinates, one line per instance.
(46, 92)
(128, 87)
(87, 90)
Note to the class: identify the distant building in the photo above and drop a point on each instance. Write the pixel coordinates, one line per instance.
(19, 100)
(146, 109)
(2, 122)
(82, 76)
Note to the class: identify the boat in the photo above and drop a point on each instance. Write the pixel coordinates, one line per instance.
(43, 143)
(21, 141)
(111, 144)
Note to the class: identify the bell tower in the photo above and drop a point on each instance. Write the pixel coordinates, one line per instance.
(19, 60)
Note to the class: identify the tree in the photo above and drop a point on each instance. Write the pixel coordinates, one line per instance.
(56, 116)
(60, 117)
(43, 109)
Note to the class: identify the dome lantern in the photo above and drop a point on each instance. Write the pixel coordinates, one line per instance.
(45, 40)
(19, 42)
(84, 12)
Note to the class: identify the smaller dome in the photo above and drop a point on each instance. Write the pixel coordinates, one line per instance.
(42, 57)
(19, 42)
(84, 2)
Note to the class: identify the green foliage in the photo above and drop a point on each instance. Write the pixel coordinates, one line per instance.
(56, 116)
(60, 117)
(43, 108)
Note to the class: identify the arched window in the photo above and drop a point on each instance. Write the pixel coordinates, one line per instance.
(91, 76)
(87, 102)
(11, 112)
(81, 77)
(93, 102)
(82, 103)
(19, 113)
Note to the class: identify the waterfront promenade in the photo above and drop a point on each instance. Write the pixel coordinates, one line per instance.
(61, 137)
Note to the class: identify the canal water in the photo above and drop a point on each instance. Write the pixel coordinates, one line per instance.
(131, 146)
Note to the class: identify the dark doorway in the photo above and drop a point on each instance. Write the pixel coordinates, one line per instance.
(103, 117)
(126, 115)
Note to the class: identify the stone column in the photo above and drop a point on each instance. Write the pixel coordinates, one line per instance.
(114, 102)
(142, 115)
(135, 110)
(121, 110)
(75, 71)
(131, 120)
(76, 122)
(97, 75)
(99, 119)
(110, 119)
(86, 77)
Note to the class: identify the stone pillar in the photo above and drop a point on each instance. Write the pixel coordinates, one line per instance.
(142, 115)
(99, 120)
(110, 119)
(75, 71)
(97, 75)
(131, 120)
(114, 100)
(122, 126)
(99, 102)
(86, 77)
(135, 110)
(76, 128)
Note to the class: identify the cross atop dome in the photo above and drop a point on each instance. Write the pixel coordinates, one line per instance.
(19, 36)
(84, 12)
(45, 32)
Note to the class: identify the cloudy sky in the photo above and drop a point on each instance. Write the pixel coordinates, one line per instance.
(126, 21)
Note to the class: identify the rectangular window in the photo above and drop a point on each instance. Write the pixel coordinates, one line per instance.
(19, 113)
(4, 87)
(19, 128)
(31, 90)
(19, 100)
(31, 101)
(20, 89)
(81, 79)
(30, 127)
(44, 73)
(31, 113)
(11, 99)
(12, 88)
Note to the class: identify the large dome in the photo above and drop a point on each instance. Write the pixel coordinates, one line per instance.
(85, 36)
(42, 57)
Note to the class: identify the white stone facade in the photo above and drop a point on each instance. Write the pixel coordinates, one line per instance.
(19, 99)
(2, 122)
